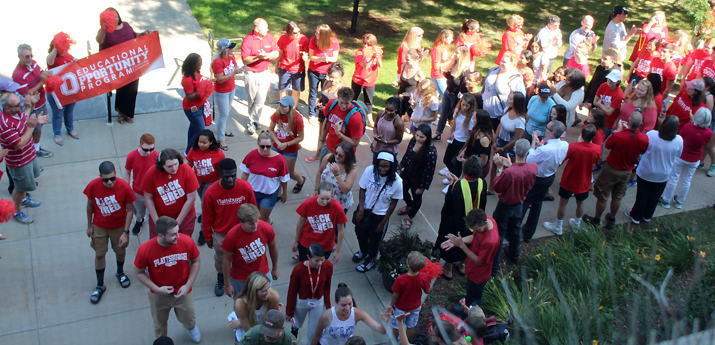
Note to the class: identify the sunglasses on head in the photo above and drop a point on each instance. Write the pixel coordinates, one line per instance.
(147, 150)
(109, 179)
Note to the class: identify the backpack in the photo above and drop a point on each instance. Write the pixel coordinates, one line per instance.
(256, 335)
(358, 107)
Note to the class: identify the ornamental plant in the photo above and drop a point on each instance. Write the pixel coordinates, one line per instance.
(394, 251)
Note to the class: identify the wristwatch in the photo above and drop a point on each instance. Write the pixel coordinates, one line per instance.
(126, 232)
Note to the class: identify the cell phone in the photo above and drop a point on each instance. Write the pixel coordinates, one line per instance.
(194, 109)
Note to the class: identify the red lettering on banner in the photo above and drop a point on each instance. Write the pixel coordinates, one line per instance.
(109, 69)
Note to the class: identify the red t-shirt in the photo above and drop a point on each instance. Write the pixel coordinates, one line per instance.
(666, 71)
(138, 165)
(485, 245)
(708, 70)
(320, 222)
(698, 57)
(225, 66)
(322, 67)
(694, 140)
(29, 77)
(682, 107)
(439, 55)
(167, 266)
(292, 59)
(205, 163)
(401, 57)
(190, 85)
(611, 98)
(354, 129)
(599, 138)
(248, 249)
(644, 63)
(170, 192)
(583, 67)
(284, 134)
(11, 131)
(581, 157)
(366, 76)
(220, 206)
(301, 281)
(658, 99)
(410, 289)
(625, 148)
(512, 40)
(252, 45)
(61, 60)
(110, 211)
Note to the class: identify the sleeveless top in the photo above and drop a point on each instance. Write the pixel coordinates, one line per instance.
(407, 85)
(345, 199)
(259, 318)
(386, 129)
(338, 332)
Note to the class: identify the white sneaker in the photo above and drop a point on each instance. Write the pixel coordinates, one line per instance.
(194, 334)
(444, 191)
(445, 181)
(553, 228)
(575, 224)
(444, 171)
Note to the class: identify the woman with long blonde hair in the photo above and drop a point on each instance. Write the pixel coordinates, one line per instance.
(323, 50)
(412, 40)
(514, 39)
(441, 58)
(456, 76)
(251, 304)
(425, 105)
(642, 98)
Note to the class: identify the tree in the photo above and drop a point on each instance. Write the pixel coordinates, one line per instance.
(353, 25)
(700, 12)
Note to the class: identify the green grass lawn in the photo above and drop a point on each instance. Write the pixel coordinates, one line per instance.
(389, 20)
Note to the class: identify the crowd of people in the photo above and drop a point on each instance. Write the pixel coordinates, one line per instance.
(509, 123)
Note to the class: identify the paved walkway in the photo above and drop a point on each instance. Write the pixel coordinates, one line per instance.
(46, 270)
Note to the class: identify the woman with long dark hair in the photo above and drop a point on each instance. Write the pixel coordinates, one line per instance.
(323, 50)
(480, 141)
(456, 76)
(340, 170)
(380, 188)
(664, 146)
(462, 123)
(389, 128)
(417, 170)
(193, 104)
(126, 99)
(510, 129)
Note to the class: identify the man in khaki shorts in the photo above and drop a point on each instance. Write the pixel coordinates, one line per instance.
(626, 145)
(109, 216)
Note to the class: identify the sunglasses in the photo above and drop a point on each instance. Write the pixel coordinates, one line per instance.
(264, 147)
(29, 56)
(16, 105)
(109, 179)
(147, 150)
(339, 154)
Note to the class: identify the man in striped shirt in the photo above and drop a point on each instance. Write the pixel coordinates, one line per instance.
(16, 136)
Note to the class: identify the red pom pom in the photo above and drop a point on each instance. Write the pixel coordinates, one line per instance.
(432, 270)
(52, 83)
(482, 47)
(108, 19)
(62, 43)
(205, 89)
(7, 210)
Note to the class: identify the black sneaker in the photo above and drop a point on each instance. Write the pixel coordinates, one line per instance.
(218, 290)
(610, 221)
(202, 239)
(357, 257)
(137, 228)
(365, 267)
(591, 220)
(199, 219)
(294, 330)
(97, 294)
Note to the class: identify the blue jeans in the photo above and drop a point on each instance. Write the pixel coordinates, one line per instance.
(440, 85)
(196, 125)
(67, 112)
(314, 78)
(446, 108)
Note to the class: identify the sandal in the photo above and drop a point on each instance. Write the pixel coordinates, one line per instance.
(406, 224)
(295, 257)
(403, 211)
(120, 119)
(129, 119)
(123, 280)
(459, 268)
(223, 147)
(299, 186)
(229, 134)
(310, 159)
(97, 294)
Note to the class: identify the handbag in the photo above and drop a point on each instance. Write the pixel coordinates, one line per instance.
(367, 212)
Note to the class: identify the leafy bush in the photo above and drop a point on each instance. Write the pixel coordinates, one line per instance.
(394, 251)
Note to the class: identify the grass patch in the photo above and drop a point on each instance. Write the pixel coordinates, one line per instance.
(389, 20)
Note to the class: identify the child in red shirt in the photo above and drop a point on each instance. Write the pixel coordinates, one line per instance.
(407, 292)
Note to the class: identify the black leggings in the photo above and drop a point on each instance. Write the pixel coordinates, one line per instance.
(450, 157)
(413, 201)
(446, 111)
(369, 237)
(368, 93)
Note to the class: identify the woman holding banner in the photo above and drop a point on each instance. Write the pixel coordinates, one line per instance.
(112, 32)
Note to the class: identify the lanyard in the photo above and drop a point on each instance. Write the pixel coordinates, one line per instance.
(317, 281)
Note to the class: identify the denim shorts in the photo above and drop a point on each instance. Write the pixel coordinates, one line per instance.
(410, 320)
(266, 201)
(293, 155)
(289, 80)
(510, 152)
